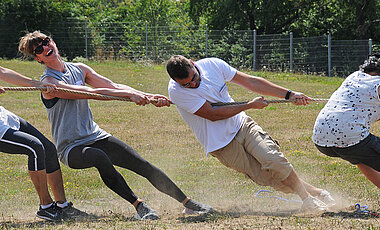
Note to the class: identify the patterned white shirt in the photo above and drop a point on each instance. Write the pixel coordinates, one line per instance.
(346, 118)
(8, 120)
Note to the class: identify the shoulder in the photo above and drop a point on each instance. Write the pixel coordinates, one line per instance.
(212, 61)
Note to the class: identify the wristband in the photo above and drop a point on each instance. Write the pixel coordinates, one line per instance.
(287, 96)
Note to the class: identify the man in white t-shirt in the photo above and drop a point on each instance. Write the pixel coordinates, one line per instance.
(228, 134)
(342, 128)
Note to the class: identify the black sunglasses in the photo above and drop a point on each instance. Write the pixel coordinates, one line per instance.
(39, 49)
(196, 75)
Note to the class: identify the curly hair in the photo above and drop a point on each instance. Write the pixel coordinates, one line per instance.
(372, 64)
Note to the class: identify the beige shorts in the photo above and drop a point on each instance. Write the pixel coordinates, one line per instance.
(254, 153)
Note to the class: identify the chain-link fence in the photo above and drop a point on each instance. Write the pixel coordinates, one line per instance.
(242, 49)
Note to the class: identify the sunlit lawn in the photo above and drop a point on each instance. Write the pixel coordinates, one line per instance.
(161, 136)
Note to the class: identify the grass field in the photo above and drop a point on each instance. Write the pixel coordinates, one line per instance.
(161, 136)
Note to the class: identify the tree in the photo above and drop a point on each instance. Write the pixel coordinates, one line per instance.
(344, 19)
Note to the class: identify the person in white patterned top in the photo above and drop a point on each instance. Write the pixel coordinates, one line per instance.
(342, 128)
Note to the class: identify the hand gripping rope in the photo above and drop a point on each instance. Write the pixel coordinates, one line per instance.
(102, 96)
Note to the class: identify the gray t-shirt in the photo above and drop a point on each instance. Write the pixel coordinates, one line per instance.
(71, 120)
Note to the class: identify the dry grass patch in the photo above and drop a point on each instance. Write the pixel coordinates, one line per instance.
(161, 136)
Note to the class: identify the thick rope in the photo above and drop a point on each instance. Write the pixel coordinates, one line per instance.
(108, 97)
(96, 95)
(268, 101)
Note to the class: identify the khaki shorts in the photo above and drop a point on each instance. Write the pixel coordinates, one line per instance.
(254, 153)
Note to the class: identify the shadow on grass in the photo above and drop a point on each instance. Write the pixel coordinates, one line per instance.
(109, 217)
(352, 215)
(234, 214)
(349, 213)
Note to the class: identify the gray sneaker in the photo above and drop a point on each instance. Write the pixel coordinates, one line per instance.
(194, 207)
(144, 212)
(326, 198)
(312, 204)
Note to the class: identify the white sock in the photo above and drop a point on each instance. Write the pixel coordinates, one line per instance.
(45, 206)
(63, 205)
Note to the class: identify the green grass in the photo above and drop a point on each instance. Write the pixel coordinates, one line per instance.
(161, 136)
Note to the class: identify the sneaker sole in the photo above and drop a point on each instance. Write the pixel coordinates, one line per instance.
(47, 218)
(191, 212)
(149, 216)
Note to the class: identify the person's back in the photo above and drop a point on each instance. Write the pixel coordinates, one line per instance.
(353, 107)
(342, 128)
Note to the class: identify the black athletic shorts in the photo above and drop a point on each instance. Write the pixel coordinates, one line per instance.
(367, 152)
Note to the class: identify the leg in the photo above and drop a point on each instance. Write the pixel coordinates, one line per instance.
(81, 157)
(18, 142)
(39, 181)
(54, 174)
(125, 156)
(55, 181)
(85, 157)
(314, 191)
(371, 174)
(298, 186)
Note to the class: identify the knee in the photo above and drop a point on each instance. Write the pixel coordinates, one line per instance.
(36, 150)
(98, 158)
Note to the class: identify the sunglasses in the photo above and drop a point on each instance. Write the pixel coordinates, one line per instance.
(39, 49)
(195, 77)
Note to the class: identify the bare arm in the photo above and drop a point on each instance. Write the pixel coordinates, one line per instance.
(12, 77)
(255, 84)
(223, 112)
(265, 87)
(102, 86)
(106, 91)
(98, 81)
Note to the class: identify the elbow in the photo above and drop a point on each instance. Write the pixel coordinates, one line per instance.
(214, 118)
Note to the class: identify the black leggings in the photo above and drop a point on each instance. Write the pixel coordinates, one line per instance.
(110, 151)
(41, 152)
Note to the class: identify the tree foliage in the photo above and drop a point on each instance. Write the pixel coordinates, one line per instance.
(343, 19)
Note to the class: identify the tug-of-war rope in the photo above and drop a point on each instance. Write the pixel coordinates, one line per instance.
(42, 88)
(108, 97)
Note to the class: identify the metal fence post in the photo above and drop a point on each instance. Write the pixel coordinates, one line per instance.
(254, 50)
(206, 41)
(146, 41)
(370, 46)
(329, 53)
(291, 51)
(85, 32)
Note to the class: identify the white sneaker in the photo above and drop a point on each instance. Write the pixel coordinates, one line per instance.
(326, 198)
(312, 204)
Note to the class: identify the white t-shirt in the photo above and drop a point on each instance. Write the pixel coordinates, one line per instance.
(8, 120)
(346, 118)
(214, 73)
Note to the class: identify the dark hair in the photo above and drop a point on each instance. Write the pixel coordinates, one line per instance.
(178, 67)
(372, 64)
